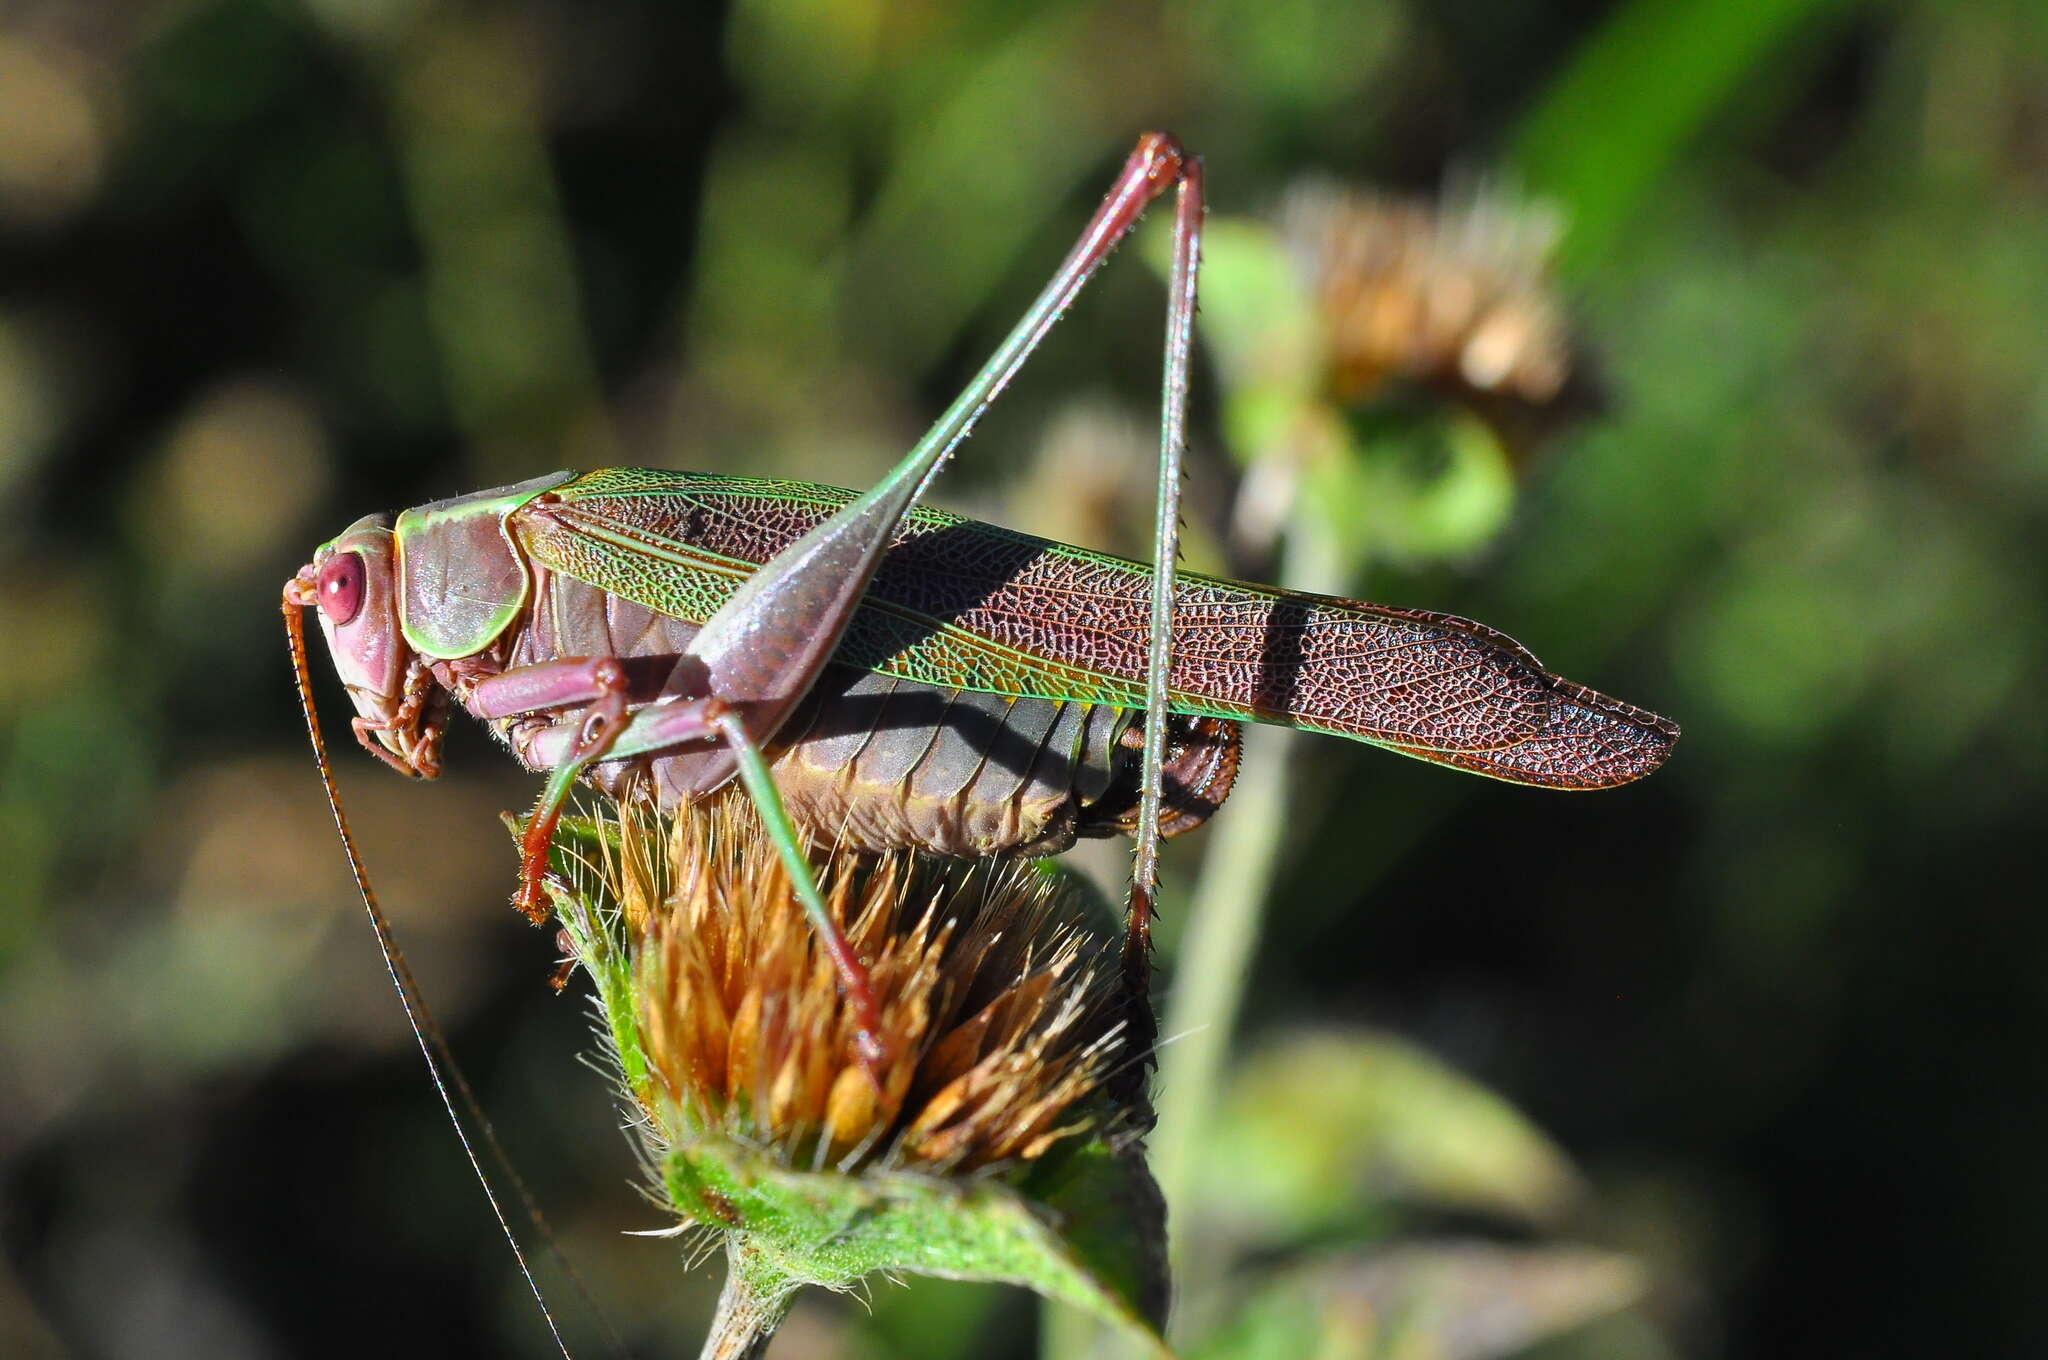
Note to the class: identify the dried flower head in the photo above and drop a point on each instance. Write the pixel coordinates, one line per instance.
(996, 1013)
(1455, 295)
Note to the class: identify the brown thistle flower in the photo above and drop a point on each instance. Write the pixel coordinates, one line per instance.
(996, 1013)
(1454, 296)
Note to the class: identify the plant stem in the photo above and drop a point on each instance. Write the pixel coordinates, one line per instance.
(1208, 990)
(1218, 945)
(747, 1315)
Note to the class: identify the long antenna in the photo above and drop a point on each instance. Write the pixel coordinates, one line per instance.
(449, 1081)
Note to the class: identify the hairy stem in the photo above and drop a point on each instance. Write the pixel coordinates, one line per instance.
(748, 1312)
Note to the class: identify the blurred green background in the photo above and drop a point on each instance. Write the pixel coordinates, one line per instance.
(1761, 1034)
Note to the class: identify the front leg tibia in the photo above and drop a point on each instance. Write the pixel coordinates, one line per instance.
(570, 747)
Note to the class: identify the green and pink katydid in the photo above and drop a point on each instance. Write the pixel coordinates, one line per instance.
(889, 675)
(892, 675)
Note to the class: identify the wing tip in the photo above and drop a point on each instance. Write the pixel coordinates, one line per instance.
(1647, 743)
(1608, 706)
(1592, 741)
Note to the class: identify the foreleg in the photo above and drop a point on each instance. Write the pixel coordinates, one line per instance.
(604, 730)
(423, 708)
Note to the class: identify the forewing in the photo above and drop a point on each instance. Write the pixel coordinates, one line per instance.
(966, 605)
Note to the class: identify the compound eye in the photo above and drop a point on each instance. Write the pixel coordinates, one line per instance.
(341, 587)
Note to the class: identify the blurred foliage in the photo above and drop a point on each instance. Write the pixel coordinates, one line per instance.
(1318, 1127)
(1464, 1302)
(266, 265)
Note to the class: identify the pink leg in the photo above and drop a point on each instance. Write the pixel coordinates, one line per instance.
(594, 730)
(600, 688)
(570, 746)
(546, 684)
(582, 680)
(656, 727)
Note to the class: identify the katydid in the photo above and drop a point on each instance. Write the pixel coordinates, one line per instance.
(895, 676)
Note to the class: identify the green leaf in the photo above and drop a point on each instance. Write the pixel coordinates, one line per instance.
(1092, 1241)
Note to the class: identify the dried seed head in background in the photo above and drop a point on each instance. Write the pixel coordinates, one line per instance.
(996, 1008)
(1455, 296)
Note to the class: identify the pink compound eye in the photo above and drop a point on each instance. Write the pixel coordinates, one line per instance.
(341, 587)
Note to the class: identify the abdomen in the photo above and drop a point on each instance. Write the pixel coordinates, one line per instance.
(877, 763)
(874, 763)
